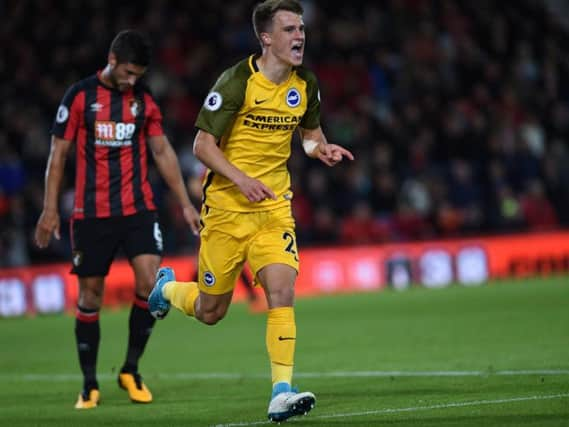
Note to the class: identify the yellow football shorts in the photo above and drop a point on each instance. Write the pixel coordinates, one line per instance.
(228, 239)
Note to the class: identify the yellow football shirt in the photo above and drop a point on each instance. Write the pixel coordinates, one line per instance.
(254, 120)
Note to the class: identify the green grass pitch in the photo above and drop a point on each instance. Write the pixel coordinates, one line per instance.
(496, 355)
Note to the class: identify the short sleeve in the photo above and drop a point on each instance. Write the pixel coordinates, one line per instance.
(69, 113)
(311, 118)
(154, 117)
(224, 100)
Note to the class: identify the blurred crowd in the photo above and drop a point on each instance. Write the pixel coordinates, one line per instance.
(457, 112)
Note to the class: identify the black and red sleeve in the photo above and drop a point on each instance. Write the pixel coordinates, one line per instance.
(154, 117)
(69, 114)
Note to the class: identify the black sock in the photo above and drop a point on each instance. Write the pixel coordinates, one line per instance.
(87, 336)
(140, 327)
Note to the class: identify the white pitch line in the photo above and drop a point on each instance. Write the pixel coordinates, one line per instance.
(370, 374)
(332, 374)
(415, 408)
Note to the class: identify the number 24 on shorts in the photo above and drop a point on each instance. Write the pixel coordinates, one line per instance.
(290, 247)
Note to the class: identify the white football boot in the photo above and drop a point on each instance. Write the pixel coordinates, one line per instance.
(287, 402)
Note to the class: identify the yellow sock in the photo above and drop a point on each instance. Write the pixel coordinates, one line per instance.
(281, 373)
(182, 295)
(281, 340)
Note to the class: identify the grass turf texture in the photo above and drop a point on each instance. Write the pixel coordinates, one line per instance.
(347, 347)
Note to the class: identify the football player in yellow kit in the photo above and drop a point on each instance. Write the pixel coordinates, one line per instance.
(245, 129)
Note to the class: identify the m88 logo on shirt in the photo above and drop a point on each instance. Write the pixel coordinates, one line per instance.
(113, 133)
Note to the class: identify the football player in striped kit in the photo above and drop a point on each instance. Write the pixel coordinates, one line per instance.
(114, 125)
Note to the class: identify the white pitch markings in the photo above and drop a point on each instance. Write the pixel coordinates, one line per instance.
(370, 374)
(332, 374)
(417, 408)
(448, 405)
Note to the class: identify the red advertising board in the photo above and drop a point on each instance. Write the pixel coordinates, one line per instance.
(470, 262)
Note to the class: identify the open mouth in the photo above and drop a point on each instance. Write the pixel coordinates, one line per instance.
(297, 49)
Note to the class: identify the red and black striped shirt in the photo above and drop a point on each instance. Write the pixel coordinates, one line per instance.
(110, 130)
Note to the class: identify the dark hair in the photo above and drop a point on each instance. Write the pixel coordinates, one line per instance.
(131, 46)
(264, 12)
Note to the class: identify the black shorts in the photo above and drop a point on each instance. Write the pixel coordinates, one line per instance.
(95, 241)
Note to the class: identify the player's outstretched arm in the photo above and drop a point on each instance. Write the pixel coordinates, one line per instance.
(168, 166)
(48, 222)
(316, 146)
(207, 151)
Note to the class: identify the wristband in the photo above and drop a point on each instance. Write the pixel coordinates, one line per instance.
(309, 146)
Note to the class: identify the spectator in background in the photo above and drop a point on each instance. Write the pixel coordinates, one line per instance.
(538, 212)
(12, 171)
(324, 230)
(465, 196)
(360, 227)
(113, 122)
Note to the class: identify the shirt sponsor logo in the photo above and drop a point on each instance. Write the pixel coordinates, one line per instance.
(293, 97)
(114, 134)
(272, 123)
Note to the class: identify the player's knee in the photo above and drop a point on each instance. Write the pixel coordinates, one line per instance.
(211, 318)
(91, 299)
(211, 309)
(90, 292)
(282, 297)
